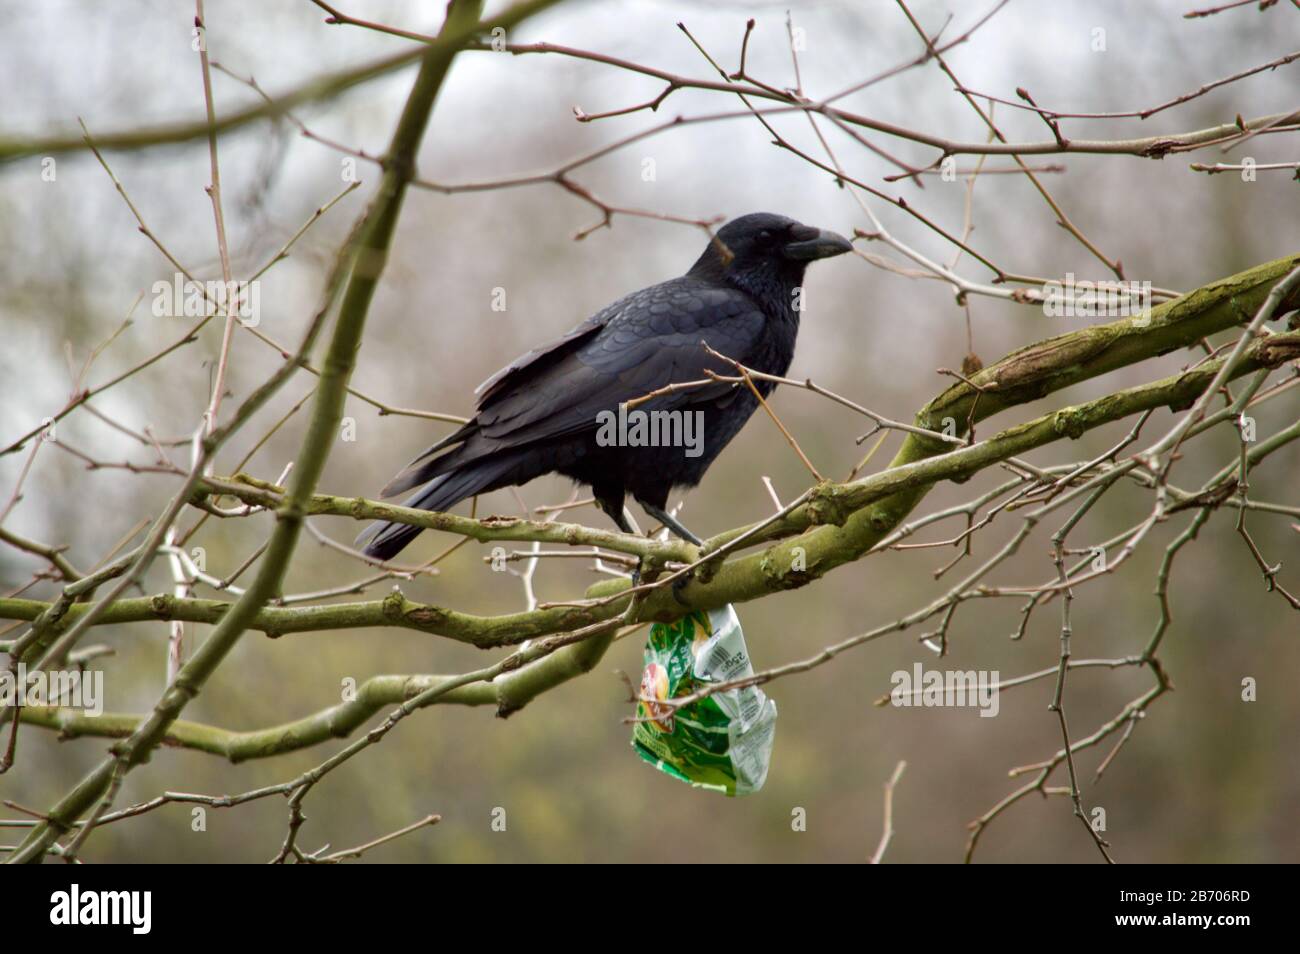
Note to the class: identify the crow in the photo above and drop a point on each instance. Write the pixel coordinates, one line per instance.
(557, 409)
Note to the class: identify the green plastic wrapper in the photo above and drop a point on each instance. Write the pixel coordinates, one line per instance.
(722, 742)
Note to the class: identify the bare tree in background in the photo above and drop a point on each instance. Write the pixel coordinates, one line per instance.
(1242, 353)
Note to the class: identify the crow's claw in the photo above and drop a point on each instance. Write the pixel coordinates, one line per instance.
(679, 584)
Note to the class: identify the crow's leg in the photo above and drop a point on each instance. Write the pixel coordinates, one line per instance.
(612, 505)
(673, 524)
(610, 500)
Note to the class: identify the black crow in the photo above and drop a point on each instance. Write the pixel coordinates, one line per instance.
(557, 409)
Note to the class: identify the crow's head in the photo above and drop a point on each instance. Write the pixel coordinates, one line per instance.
(766, 252)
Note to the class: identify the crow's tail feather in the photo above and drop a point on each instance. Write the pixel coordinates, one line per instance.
(384, 540)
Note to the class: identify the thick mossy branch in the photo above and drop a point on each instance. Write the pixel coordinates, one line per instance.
(1039, 369)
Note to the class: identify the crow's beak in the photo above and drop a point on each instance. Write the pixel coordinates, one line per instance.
(811, 243)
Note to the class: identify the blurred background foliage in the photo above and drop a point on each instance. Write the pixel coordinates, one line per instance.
(1205, 777)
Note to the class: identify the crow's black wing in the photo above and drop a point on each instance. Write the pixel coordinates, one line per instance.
(650, 339)
(514, 375)
(653, 339)
(528, 365)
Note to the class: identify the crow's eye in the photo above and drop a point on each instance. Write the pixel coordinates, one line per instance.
(764, 236)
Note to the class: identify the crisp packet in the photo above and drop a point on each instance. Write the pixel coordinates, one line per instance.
(722, 742)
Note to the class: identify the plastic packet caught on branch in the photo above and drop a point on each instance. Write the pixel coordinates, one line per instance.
(722, 742)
